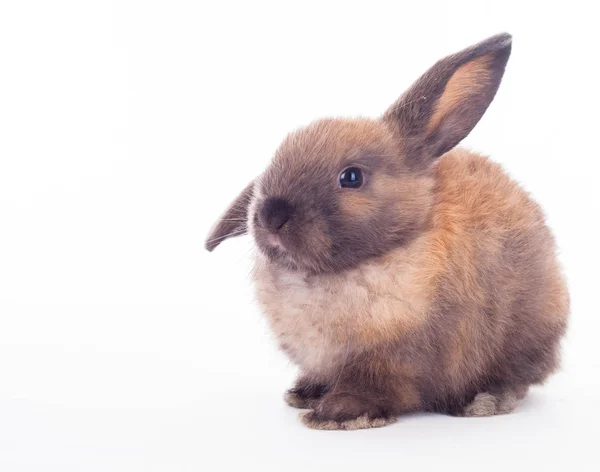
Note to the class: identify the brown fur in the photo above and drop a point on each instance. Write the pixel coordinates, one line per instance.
(467, 79)
(434, 286)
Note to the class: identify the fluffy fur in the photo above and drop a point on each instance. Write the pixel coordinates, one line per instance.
(434, 286)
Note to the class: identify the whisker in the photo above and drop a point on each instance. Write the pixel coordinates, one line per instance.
(234, 233)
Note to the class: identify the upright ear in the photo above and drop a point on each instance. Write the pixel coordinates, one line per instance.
(444, 105)
(234, 221)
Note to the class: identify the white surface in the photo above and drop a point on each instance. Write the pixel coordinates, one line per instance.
(127, 127)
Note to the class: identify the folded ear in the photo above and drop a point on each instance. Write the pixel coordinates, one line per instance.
(234, 221)
(445, 104)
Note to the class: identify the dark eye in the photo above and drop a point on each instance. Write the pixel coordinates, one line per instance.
(352, 177)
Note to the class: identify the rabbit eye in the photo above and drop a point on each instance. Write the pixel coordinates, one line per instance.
(352, 177)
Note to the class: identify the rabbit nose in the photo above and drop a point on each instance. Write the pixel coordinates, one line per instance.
(275, 213)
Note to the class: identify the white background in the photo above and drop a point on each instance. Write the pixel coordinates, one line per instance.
(127, 127)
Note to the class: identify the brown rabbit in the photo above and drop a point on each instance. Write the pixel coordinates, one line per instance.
(399, 273)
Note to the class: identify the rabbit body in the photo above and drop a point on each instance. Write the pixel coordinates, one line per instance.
(476, 303)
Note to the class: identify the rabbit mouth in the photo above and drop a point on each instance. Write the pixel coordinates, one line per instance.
(274, 246)
(274, 240)
(289, 245)
(277, 254)
(277, 249)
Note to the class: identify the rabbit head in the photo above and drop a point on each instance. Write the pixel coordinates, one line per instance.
(344, 190)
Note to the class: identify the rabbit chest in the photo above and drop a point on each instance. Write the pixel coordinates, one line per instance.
(319, 320)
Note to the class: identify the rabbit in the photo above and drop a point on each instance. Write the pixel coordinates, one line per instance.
(401, 273)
